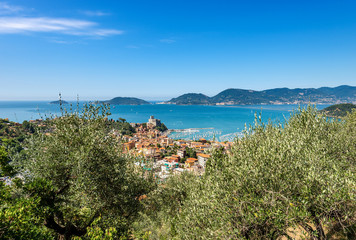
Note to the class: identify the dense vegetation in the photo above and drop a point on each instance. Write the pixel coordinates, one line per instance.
(162, 127)
(13, 134)
(280, 95)
(339, 110)
(121, 126)
(278, 181)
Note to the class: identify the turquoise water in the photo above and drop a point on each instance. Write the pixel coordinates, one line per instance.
(221, 122)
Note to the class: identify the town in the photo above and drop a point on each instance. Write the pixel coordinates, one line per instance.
(166, 156)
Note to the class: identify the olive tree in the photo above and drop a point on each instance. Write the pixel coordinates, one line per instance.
(276, 180)
(89, 176)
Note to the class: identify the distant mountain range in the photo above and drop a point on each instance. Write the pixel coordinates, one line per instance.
(323, 95)
(232, 96)
(126, 101)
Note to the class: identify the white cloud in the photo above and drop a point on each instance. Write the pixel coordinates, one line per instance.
(167, 40)
(95, 13)
(11, 22)
(106, 32)
(20, 24)
(59, 41)
(8, 9)
(13, 25)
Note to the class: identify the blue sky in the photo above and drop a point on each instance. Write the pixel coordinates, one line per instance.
(156, 49)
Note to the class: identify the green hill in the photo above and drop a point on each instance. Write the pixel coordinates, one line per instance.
(126, 101)
(339, 110)
(191, 99)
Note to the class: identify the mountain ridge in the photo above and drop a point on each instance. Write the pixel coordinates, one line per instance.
(235, 96)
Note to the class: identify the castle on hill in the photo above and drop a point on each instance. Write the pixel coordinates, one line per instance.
(152, 122)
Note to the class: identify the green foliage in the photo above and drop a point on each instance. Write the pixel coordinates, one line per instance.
(12, 144)
(5, 168)
(13, 134)
(11, 130)
(162, 206)
(190, 152)
(95, 232)
(121, 126)
(87, 173)
(126, 129)
(28, 127)
(21, 217)
(339, 110)
(277, 178)
(162, 127)
(122, 120)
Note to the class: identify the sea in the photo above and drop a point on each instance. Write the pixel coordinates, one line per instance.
(220, 123)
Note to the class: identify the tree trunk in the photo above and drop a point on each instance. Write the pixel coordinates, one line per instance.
(309, 230)
(70, 231)
(319, 227)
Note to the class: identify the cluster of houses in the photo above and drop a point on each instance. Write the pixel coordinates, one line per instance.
(169, 156)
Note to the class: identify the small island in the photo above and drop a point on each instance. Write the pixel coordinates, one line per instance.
(58, 102)
(339, 110)
(126, 101)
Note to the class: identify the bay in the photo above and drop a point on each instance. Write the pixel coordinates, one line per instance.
(220, 122)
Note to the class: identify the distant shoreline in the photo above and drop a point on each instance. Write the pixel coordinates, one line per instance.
(223, 119)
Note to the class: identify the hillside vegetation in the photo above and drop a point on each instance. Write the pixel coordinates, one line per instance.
(339, 110)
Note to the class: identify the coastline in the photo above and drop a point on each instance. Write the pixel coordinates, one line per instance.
(209, 121)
